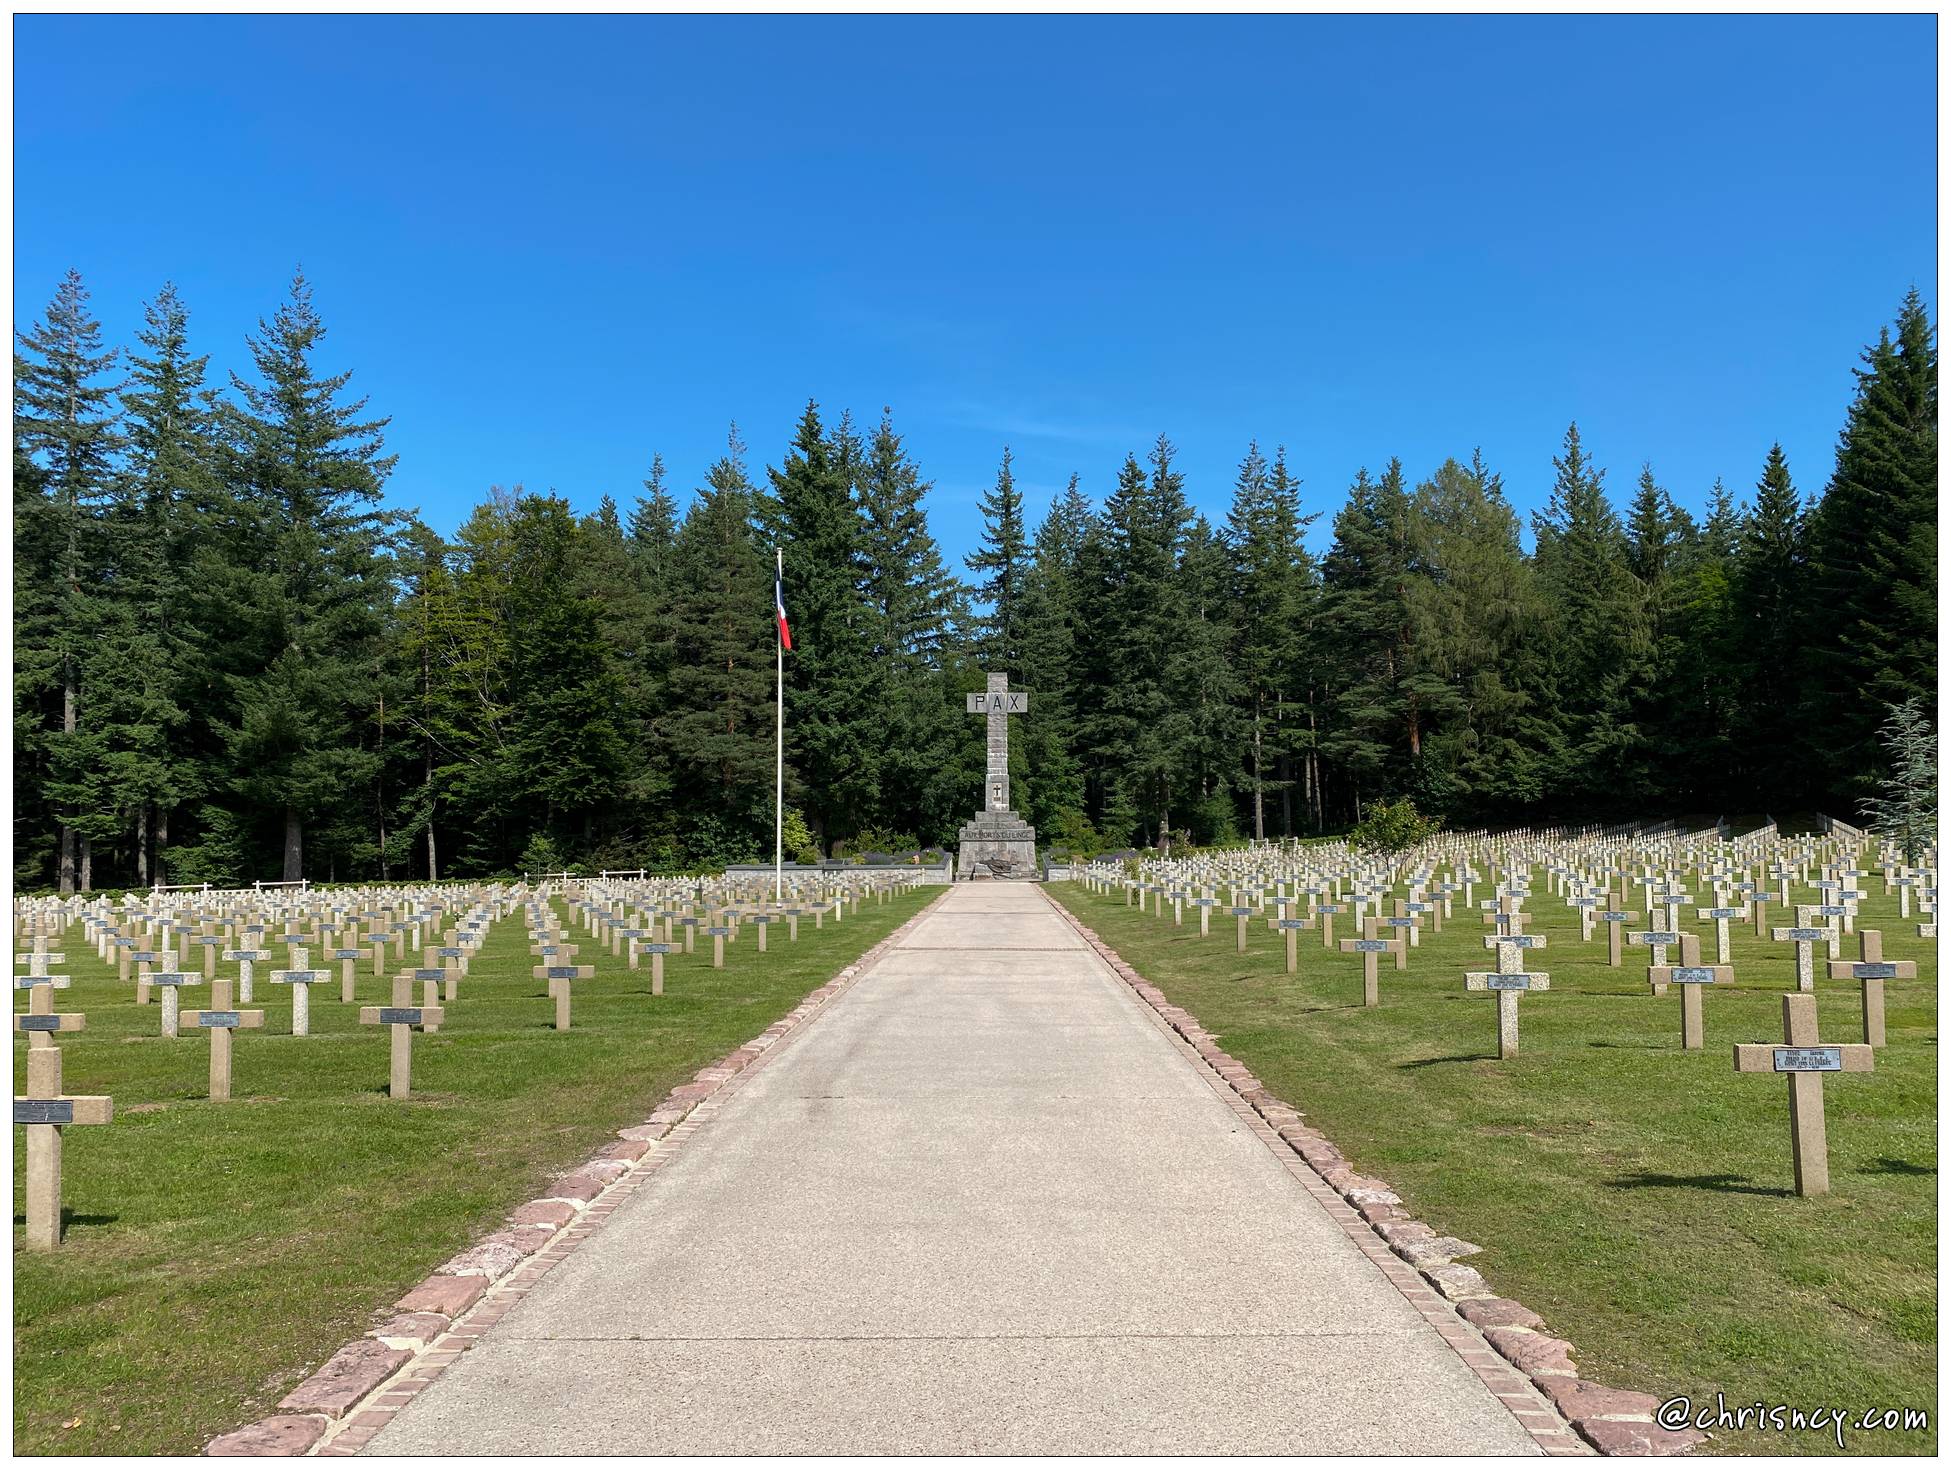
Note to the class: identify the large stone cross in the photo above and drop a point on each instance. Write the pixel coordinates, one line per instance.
(999, 702)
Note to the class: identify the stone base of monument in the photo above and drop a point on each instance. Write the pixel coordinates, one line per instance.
(997, 845)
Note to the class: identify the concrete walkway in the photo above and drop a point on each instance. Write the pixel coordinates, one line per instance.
(984, 1204)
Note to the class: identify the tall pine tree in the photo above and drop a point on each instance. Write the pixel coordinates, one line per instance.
(1873, 560)
(999, 563)
(65, 422)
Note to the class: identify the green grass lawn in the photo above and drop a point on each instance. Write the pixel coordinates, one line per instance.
(1638, 1196)
(217, 1252)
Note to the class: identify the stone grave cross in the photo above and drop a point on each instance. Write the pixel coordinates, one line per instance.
(301, 978)
(1803, 1060)
(1872, 970)
(220, 1021)
(1507, 981)
(45, 1111)
(1690, 974)
(400, 1018)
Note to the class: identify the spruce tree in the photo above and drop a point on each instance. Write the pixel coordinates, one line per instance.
(1598, 652)
(915, 610)
(616, 573)
(654, 520)
(1472, 609)
(1657, 535)
(65, 421)
(1052, 617)
(568, 738)
(913, 598)
(1297, 707)
(146, 659)
(1766, 637)
(720, 729)
(1260, 577)
(832, 723)
(999, 563)
(1873, 559)
(1132, 735)
(300, 611)
(652, 546)
(1204, 730)
(1375, 732)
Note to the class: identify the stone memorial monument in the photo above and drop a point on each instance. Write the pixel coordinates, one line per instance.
(998, 843)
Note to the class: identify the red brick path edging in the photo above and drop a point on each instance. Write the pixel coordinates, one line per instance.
(1501, 1340)
(344, 1404)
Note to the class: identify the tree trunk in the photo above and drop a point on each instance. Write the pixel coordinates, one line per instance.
(162, 842)
(433, 865)
(294, 845)
(67, 869)
(87, 863)
(380, 779)
(427, 752)
(1259, 793)
(142, 844)
(1313, 768)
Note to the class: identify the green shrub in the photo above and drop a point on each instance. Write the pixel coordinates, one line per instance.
(1392, 827)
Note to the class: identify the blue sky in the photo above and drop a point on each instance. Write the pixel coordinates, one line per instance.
(550, 247)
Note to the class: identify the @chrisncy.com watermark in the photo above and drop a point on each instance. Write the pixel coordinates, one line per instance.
(1680, 1413)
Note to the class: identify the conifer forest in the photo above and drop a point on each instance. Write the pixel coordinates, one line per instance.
(236, 658)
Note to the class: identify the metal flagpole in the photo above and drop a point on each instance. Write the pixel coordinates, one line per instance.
(779, 769)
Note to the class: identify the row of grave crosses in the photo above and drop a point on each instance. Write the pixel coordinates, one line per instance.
(644, 917)
(1309, 888)
(46, 1110)
(442, 968)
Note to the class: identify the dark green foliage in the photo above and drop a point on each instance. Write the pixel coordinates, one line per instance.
(1053, 615)
(918, 625)
(1272, 585)
(832, 719)
(1475, 619)
(1768, 630)
(1001, 564)
(64, 423)
(1873, 557)
(720, 727)
(231, 661)
(1599, 652)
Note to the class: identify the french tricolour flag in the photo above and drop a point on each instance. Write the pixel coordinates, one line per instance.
(779, 606)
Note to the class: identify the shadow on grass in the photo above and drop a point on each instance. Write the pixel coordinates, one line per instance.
(1718, 1183)
(1898, 1166)
(1440, 1061)
(69, 1219)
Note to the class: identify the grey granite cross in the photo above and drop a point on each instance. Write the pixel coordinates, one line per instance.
(999, 702)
